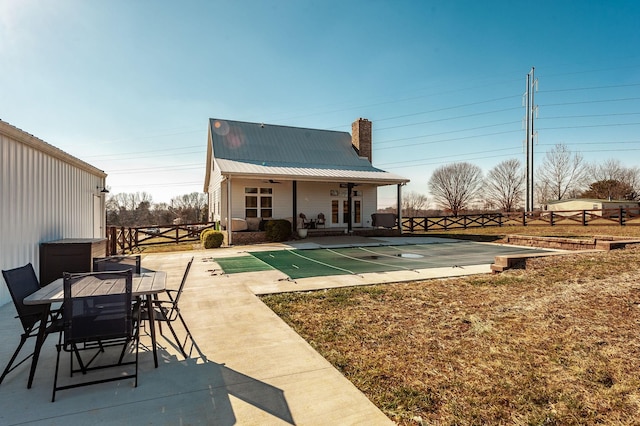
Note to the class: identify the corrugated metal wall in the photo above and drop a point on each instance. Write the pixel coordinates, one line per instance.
(43, 197)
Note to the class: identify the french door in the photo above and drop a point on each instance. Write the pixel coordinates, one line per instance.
(340, 212)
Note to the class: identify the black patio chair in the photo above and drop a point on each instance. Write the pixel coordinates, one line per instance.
(117, 263)
(168, 311)
(22, 282)
(306, 223)
(321, 221)
(95, 319)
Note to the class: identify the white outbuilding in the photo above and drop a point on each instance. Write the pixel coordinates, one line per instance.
(45, 195)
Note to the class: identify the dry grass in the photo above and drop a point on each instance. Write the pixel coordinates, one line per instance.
(556, 343)
(169, 247)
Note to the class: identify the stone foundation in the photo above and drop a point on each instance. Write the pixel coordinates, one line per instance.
(245, 238)
(599, 242)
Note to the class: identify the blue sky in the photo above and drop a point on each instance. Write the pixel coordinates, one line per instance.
(128, 86)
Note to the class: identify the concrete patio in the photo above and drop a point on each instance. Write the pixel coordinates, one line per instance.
(245, 365)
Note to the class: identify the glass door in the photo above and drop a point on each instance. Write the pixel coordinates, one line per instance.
(357, 213)
(340, 213)
(335, 219)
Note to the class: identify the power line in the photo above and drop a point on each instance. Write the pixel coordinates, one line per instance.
(452, 139)
(153, 169)
(593, 143)
(591, 102)
(449, 118)
(589, 88)
(588, 115)
(589, 126)
(450, 156)
(160, 184)
(119, 154)
(448, 162)
(447, 108)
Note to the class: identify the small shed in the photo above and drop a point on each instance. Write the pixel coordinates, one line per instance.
(45, 195)
(590, 204)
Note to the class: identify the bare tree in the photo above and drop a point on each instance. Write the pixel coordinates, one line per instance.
(128, 209)
(562, 173)
(456, 185)
(615, 180)
(414, 203)
(608, 190)
(190, 208)
(632, 178)
(129, 201)
(504, 185)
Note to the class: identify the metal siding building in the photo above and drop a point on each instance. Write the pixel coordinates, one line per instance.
(589, 204)
(45, 195)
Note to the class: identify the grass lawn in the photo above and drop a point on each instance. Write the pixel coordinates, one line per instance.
(556, 343)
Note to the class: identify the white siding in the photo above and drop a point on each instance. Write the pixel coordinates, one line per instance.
(282, 197)
(215, 192)
(312, 198)
(44, 195)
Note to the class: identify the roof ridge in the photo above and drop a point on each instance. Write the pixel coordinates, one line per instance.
(278, 125)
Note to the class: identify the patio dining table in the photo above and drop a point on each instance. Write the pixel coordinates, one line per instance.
(146, 285)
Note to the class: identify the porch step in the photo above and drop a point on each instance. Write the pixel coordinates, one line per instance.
(518, 261)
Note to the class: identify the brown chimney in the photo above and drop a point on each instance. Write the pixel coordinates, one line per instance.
(361, 137)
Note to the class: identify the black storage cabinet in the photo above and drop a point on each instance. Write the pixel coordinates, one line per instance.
(68, 255)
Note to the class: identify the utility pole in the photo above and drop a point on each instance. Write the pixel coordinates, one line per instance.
(529, 116)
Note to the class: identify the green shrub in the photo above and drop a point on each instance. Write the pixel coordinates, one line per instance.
(277, 230)
(213, 239)
(204, 233)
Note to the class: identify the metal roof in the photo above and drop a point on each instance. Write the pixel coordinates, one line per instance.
(38, 144)
(248, 169)
(242, 148)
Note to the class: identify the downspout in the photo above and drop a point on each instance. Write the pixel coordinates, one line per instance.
(229, 221)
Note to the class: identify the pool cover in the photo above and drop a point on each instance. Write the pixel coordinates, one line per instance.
(235, 265)
(358, 260)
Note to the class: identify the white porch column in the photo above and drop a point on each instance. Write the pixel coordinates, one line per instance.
(229, 221)
(400, 207)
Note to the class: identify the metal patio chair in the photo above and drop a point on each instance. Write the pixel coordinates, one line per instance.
(321, 221)
(306, 223)
(117, 263)
(168, 311)
(22, 282)
(97, 313)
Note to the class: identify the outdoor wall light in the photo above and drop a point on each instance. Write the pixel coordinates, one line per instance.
(104, 190)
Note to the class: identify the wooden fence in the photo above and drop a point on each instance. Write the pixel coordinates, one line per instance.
(122, 240)
(128, 240)
(619, 216)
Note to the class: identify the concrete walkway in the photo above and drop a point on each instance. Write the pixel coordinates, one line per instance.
(245, 365)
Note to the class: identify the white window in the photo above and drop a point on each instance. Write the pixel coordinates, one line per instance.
(258, 202)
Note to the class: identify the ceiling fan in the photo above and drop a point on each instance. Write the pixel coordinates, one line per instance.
(270, 181)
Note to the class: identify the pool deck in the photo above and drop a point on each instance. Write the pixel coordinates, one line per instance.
(245, 365)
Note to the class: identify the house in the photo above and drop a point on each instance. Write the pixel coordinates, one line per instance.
(590, 204)
(45, 195)
(257, 170)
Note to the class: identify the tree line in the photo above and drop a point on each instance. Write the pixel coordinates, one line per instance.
(138, 209)
(563, 174)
